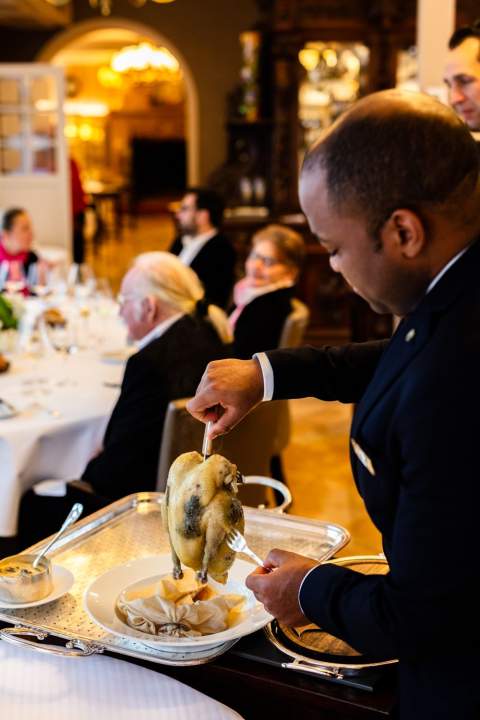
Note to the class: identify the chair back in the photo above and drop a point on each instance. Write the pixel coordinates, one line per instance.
(265, 432)
(295, 325)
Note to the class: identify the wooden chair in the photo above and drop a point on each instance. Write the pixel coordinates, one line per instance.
(295, 325)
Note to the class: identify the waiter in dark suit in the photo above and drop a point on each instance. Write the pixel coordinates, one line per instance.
(203, 247)
(392, 192)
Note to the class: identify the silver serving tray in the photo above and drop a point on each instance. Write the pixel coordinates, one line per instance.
(132, 528)
(325, 663)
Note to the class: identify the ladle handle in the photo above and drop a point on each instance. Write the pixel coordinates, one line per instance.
(72, 517)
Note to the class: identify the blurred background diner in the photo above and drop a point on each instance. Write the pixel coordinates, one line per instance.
(124, 132)
(16, 254)
(263, 297)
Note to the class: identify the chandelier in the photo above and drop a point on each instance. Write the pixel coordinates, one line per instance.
(145, 64)
(105, 6)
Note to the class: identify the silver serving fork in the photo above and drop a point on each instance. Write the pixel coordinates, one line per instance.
(237, 542)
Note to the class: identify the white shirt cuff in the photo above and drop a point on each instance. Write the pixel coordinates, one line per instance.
(267, 372)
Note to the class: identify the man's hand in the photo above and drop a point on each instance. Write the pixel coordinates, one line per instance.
(277, 586)
(227, 392)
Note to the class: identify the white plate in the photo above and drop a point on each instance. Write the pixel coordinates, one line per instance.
(101, 596)
(62, 582)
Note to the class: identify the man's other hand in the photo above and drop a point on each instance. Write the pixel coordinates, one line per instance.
(277, 585)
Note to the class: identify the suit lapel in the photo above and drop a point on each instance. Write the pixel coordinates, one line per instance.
(411, 336)
(414, 332)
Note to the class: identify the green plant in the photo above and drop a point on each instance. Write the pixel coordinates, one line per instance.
(8, 321)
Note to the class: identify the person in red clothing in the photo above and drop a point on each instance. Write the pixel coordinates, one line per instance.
(78, 213)
(16, 240)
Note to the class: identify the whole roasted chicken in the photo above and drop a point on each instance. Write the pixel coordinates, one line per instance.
(199, 509)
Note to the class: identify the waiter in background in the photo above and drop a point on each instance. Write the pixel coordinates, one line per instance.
(78, 213)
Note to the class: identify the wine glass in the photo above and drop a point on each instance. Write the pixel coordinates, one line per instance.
(15, 280)
(38, 279)
(3, 273)
(81, 279)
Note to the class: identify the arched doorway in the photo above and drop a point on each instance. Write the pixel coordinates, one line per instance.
(102, 35)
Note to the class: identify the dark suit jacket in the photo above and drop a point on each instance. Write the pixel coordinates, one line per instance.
(215, 266)
(260, 324)
(417, 424)
(168, 368)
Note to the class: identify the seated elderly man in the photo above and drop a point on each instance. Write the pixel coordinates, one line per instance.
(162, 305)
(177, 335)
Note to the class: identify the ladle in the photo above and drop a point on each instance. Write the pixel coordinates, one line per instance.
(72, 517)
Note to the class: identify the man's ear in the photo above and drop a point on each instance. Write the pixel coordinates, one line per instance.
(149, 308)
(404, 232)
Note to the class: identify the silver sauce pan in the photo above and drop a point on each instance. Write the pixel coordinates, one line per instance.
(20, 582)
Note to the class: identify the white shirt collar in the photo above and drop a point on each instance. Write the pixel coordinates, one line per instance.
(158, 331)
(446, 268)
(193, 244)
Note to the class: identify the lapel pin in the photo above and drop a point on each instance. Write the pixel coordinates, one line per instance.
(410, 335)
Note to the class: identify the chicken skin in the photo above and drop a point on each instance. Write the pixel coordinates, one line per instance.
(199, 509)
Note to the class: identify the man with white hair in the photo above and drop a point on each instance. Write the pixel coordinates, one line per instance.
(161, 302)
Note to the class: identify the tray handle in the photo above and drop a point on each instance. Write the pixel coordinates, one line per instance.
(305, 666)
(73, 648)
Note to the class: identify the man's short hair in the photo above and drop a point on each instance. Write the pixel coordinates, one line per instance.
(463, 33)
(414, 155)
(207, 199)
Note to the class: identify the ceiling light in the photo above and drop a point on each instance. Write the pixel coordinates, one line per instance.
(105, 6)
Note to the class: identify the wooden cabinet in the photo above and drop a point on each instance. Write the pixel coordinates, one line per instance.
(271, 146)
(381, 28)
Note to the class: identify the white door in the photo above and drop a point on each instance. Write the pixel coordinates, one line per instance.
(34, 168)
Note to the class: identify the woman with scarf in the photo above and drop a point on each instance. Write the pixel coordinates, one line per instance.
(263, 297)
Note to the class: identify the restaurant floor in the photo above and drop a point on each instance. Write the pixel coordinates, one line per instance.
(316, 463)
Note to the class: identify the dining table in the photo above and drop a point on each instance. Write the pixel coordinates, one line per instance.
(59, 687)
(61, 393)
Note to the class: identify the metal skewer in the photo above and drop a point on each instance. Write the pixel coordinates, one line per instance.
(207, 441)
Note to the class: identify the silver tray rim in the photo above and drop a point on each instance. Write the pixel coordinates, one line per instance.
(113, 513)
(337, 669)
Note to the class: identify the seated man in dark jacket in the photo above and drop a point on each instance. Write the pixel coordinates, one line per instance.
(201, 245)
(161, 303)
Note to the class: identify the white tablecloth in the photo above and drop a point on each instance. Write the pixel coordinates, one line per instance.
(35, 686)
(64, 402)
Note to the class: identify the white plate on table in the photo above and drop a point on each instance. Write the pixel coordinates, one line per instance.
(62, 580)
(101, 596)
